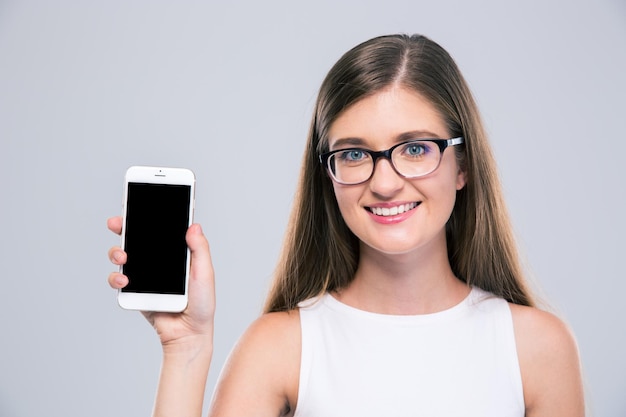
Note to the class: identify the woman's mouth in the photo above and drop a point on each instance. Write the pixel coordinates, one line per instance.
(394, 210)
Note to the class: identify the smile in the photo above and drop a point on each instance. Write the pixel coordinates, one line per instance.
(392, 211)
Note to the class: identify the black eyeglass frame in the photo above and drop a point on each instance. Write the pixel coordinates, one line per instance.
(375, 155)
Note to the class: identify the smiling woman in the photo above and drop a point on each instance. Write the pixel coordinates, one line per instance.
(399, 290)
(322, 253)
(381, 120)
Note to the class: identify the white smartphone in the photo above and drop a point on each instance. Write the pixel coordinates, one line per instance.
(158, 210)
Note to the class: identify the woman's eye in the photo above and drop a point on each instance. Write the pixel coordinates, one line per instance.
(415, 149)
(353, 155)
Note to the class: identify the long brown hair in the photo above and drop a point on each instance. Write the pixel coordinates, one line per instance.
(321, 254)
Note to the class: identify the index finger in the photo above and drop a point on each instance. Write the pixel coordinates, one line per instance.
(115, 224)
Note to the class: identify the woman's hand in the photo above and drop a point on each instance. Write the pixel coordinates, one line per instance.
(195, 324)
(187, 337)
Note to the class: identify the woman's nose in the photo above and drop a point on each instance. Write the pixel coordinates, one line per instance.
(385, 180)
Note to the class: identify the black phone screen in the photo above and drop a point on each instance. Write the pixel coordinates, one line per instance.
(157, 218)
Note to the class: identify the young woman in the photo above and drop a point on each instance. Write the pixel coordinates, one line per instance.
(399, 290)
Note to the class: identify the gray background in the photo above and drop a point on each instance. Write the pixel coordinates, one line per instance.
(90, 88)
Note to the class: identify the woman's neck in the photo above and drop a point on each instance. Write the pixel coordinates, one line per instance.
(412, 283)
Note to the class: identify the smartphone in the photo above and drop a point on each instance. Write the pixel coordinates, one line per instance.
(158, 210)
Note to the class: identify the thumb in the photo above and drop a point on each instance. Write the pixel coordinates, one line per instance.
(201, 277)
(200, 255)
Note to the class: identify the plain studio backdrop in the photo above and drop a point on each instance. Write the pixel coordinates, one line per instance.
(88, 88)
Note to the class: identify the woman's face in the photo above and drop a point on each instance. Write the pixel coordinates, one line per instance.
(423, 205)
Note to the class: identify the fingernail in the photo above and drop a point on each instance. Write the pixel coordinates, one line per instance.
(117, 256)
(119, 281)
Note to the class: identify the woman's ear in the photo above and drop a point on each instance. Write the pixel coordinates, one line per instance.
(461, 179)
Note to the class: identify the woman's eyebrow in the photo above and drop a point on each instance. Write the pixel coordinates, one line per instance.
(416, 134)
(402, 137)
(343, 142)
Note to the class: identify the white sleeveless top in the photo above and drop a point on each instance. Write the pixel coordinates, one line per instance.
(458, 362)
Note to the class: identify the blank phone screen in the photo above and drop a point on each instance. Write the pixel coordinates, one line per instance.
(157, 218)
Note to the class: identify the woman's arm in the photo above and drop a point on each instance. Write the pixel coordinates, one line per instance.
(549, 363)
(187, 337)
(261, 376)
(183, 378)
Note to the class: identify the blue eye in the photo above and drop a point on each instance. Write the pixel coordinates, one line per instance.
(415, 149)
(352, 155)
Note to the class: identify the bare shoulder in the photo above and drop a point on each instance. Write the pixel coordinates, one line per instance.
(549, 363)
(545, 331)
(284, 325)
(262, 372)
(272, 336)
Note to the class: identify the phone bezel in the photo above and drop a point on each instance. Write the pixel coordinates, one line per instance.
(157, 175)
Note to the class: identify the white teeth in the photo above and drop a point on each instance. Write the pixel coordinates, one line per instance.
(392, 211)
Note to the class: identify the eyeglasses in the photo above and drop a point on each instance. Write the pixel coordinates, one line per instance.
(410, 159)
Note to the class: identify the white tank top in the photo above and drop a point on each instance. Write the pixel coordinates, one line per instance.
(458, 362)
